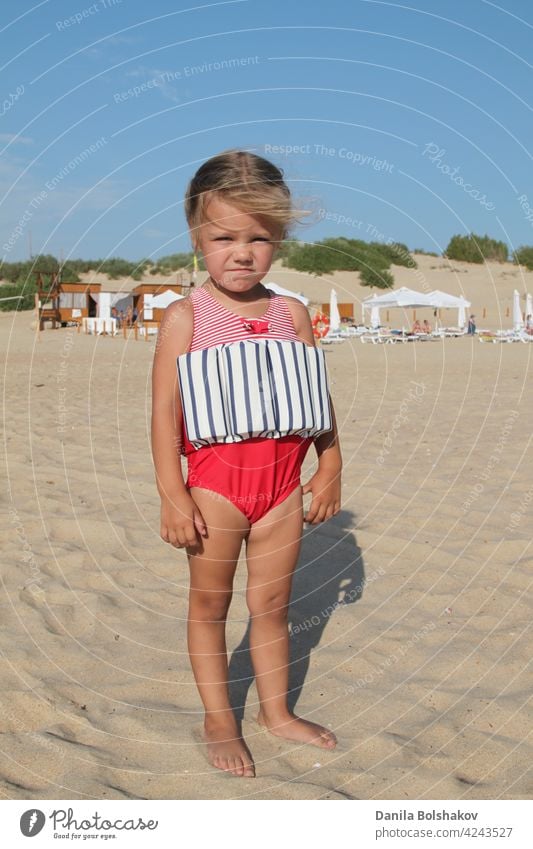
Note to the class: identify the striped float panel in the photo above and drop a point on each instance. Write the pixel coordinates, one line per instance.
(254, 388)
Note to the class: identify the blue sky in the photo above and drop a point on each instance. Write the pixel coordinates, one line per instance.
(393, 121)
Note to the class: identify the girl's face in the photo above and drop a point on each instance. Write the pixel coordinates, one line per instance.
(238, 248)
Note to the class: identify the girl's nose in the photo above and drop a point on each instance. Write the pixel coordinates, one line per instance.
(242, 252)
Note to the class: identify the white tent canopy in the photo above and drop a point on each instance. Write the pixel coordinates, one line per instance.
(441, 300)
(405, 297)
(161, 301)
(402, 297)
(158, 302)
(279, 290)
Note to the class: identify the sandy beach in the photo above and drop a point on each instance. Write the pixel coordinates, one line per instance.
(410, 610)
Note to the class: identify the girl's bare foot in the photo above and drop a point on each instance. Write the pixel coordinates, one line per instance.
(300, 730)
(227, 750)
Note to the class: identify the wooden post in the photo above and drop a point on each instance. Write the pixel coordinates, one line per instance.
(124, 329)
(135, 331)
(414, 315)
(37, 314)
(507, 313)
(484, 312)
(387, 316)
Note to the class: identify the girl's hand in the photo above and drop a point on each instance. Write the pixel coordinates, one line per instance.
(181, 520)
(325, 486)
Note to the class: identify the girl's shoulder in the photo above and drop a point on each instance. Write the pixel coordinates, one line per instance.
(177, 325)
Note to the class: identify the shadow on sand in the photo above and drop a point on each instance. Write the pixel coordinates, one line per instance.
(330, 572)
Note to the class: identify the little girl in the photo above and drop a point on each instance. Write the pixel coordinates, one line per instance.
(240, 389)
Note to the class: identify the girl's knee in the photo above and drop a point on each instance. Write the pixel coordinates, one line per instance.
(209, 606)
(261, 605)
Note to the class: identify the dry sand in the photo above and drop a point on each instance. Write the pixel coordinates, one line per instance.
(421, 671)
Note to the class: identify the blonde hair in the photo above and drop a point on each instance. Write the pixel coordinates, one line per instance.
(252, 184)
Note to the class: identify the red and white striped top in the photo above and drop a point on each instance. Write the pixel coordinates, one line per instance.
(215, 325)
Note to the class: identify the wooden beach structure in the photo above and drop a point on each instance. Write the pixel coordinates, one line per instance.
(62, 302)
(154, 316)
(345, 310)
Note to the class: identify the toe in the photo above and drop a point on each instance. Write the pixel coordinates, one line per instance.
(329, 739)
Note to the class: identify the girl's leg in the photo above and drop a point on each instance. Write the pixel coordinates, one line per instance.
(273, 547)
(211, 583)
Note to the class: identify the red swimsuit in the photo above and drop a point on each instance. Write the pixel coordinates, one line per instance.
(254, 474)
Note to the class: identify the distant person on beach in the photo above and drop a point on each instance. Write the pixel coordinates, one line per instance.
(416, 327)
(426, 326)
(529, 324)
(471, 325)
(243, 477)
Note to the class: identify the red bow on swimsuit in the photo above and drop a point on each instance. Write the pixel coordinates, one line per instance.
(256, 325)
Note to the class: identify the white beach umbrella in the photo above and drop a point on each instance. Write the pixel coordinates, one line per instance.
(334, 315)
(375, 320)
(518, 322)
(461, 316)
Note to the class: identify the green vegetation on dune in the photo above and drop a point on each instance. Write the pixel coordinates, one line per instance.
(478, 249)
(371, 259)
(524, 256)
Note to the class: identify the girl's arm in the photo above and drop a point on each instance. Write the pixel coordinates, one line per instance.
(325, 485)
(180, 518)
